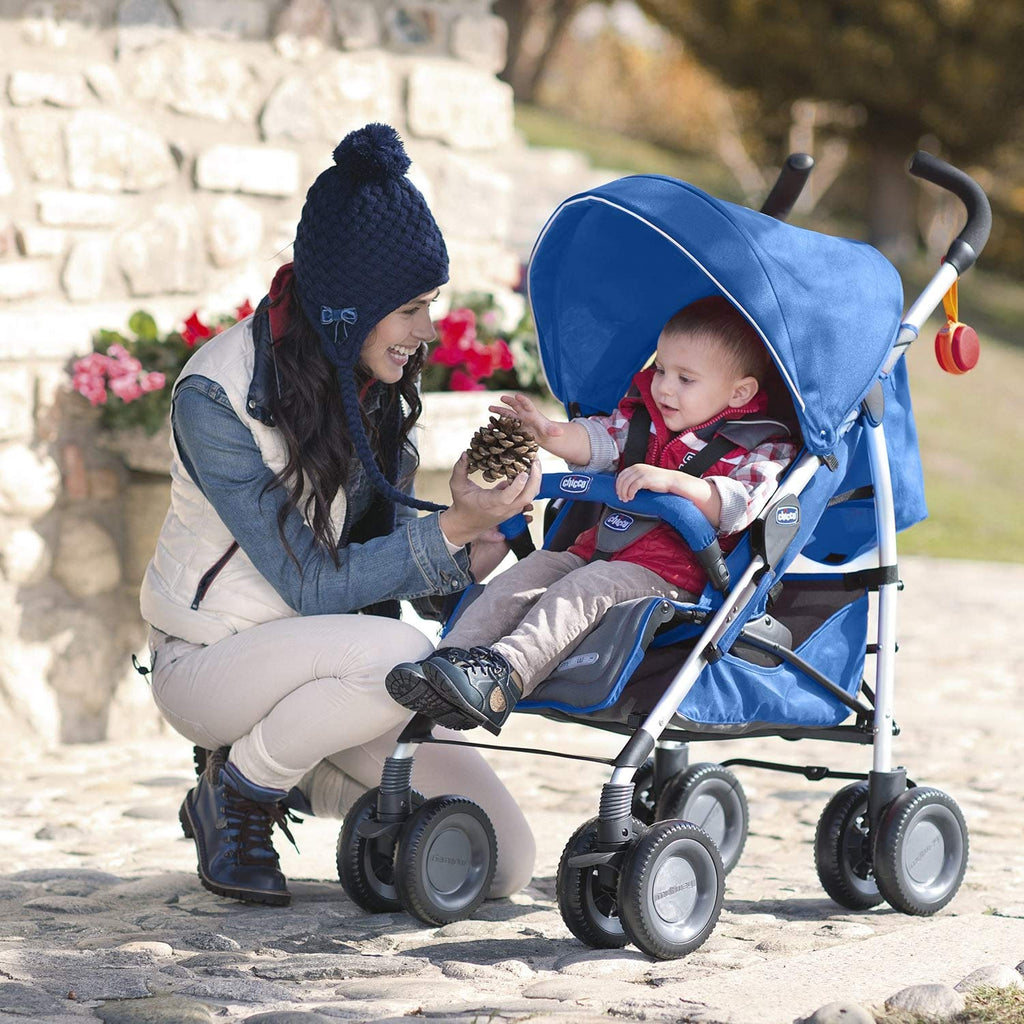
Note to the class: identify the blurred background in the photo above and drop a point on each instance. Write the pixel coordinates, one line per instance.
(154, 155)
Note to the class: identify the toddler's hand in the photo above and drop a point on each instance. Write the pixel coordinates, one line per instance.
(642, 477)
(521, 408)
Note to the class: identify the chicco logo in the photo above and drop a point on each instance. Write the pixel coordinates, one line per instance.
(787, 515)
(574, 484)
(619, 521)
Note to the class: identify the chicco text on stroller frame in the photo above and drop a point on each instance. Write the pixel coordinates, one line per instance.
(776, 643)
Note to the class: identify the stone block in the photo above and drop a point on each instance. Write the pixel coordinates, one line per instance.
(85, 269)
(38, 137)
(226, 19)
(480, 266)
(86, 561)
(464, 107)
(145, 507)
(59, 89)
(472, 201)
(104, 484)
(79, 209)
(23, 279)
(109, 153)
(257, 170)
(161, 253)
(195, 77)
(24, 557)
(357, 23)
(144, 23)
(6, 178)
(928, 1000)
(17, 394)
(61, 24)
(105, 83)
(480, 40)
(29, 482)
(303, 29)
(348, 91)
(416, 28)
(234, 231)
(38, 241)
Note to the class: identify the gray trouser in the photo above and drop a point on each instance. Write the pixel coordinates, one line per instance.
(301, 701)
(538, 610)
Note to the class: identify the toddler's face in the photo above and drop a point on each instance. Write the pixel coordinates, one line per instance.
(694, 381)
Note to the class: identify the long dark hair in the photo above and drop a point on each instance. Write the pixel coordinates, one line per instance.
(309, 414)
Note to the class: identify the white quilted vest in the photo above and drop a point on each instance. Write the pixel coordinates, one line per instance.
(193, 537)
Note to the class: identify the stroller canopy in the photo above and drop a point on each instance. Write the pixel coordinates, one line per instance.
(613, 264)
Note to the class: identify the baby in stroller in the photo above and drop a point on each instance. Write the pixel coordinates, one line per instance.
(693, 424)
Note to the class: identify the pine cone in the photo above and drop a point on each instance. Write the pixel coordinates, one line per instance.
(501, 449)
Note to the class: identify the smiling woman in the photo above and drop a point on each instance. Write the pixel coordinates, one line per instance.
(293, 534)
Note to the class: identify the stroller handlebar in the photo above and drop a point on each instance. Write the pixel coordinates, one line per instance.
(967, 246)
(788, 185)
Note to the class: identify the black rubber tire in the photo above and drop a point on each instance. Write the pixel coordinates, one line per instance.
(920, 851)
(445, 860)
(644, 797)
(842, 850)
(671, 889)
(710, 796)
(366, 866)
(588, 903)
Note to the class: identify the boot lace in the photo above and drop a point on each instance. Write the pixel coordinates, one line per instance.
(254, 824)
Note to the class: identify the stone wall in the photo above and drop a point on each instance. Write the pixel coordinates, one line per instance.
(154, 154)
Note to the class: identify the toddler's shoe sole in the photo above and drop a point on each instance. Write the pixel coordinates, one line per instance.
(409, 686)
(449, 691)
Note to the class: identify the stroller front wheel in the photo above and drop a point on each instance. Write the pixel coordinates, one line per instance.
(842, 850)
(671, 889)
(921, 851)
(445, 859)
(366, 867)
(588, 894)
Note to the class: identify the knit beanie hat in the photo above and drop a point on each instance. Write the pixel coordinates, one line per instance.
(365, 245)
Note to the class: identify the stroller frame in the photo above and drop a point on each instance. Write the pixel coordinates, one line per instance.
(662, 886)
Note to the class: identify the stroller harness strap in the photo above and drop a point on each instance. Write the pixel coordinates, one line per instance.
(618, 529)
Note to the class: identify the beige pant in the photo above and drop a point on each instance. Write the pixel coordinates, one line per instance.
(538, 610)
(301, 701)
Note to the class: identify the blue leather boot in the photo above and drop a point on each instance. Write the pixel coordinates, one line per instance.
(231, 820)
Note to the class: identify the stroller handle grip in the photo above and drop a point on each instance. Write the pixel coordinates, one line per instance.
(788, 185)
(967, 246)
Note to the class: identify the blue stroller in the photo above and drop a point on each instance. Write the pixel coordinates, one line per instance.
(777, 642)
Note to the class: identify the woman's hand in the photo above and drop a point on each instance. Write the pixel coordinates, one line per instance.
(475, 509)
(521, 408)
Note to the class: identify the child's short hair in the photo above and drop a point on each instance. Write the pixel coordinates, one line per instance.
(722, 323)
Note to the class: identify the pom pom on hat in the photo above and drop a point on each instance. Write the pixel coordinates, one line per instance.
(373, 153)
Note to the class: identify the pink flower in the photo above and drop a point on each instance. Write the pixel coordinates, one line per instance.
(502, 355)
(152, 381)
(461, 381)
(126, 388)
(195, 330)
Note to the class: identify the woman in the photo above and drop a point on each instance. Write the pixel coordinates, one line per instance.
(291, 511)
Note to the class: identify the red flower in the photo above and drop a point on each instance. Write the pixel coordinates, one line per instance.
(457, 330)
(461, 381)
(445, 356)
(195, 330)
(244, 310)
(502, 355)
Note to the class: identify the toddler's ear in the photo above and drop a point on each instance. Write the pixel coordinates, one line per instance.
(743, 391)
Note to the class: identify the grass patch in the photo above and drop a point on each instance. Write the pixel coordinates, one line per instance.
(985, 1005)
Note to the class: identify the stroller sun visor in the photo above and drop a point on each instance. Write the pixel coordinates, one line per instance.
(613, 264)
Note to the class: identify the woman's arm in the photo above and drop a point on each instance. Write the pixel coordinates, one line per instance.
(221, 456)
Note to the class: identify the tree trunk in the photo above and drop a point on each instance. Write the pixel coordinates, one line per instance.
(891, 200)
(517, 14)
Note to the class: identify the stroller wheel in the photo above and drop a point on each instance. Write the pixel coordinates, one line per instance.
(588, 895)
(643, 792)
(366, 867)
(445, 859)
(842, 851)
(710, 796)
(921, 851)
(671, 889)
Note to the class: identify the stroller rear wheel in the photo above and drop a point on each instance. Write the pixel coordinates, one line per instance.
(366, 867)
(842, 850)
(588, 895)
(921, 851)
(671, 889)
(710, 796)
(445, 859)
